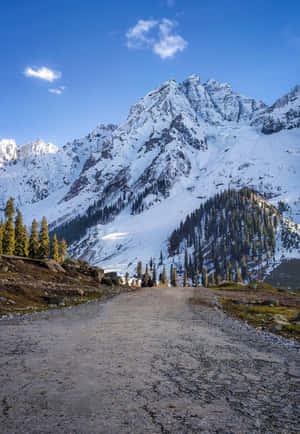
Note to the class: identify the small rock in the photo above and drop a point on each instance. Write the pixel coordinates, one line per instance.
(280, 319)
(11, 301)
(3, 299)
(80, 292)
(4, 268)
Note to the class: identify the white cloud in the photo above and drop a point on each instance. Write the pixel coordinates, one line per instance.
(43, 73)
(168, 45)
(137, 36)
(163, 41)
(57, 91)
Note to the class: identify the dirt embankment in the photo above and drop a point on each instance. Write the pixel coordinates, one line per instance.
(28, 285)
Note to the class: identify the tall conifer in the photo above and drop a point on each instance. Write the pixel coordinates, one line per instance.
(62, 248)
(19, 235)
(34, 245)
(8, 243)
(54, 249)
(44, 239)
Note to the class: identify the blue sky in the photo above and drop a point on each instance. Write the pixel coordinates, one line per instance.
(67, 65)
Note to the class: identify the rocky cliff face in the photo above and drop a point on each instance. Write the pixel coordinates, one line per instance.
(181, 143)
(283, 114)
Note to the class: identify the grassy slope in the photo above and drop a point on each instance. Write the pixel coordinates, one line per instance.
(250, 303)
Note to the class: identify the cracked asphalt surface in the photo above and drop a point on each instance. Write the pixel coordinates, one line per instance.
(145, 362)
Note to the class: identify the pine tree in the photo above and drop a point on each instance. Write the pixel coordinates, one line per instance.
(8, 243)
(160, 279)
(139, 269)
(20, 241)
(44, 239)
(161, 258)
(173, 276)
(25, 241)
(151, 264)
(62, 249)
(146, 279)
(154, 277)
(34, 245)
(54, 249)
(9, 208)
(164, 277)
(197, 281)
(219, 280)
(171, 273)
(213, 282)
(127, 279)
(204, 278)
(185, 278)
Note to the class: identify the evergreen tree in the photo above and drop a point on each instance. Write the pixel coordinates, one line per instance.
(54, 249)
(164, 277)
(154, 277)
(127, 279)
(151, 264)
(9, 208)
(171, 273)
(8, 243)
(173, 276)
(185, 278)
(161, 258)
(204, 278)
(197, 281)
(34, 245)
(44, 239)
(219, 280)
(146, 279)
(20, 236)
(213, 282)
(26, 241)
(62, 249)
(139, 269)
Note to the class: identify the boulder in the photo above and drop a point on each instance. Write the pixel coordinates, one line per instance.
(97, 273)
(54, 266)
(71, 263)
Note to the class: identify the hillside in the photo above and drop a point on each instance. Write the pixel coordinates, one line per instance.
(234, 235)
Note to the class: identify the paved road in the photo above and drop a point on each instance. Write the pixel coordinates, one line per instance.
(144, 362)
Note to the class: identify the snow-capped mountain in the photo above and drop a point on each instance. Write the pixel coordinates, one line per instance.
(128, 187)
